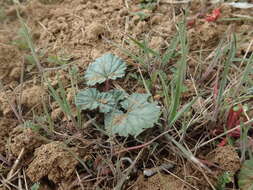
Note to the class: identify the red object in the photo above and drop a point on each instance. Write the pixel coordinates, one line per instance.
(223, 142)
(214, 16)
(233, 120)
(191, 23)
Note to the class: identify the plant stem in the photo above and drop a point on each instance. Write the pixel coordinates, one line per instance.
(107, 85)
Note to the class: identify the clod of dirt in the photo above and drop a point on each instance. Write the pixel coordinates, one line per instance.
(32, 96)
(141, 27)
(24, 138)
(5, 107)
(10, 65)
(190, 89)
(206, 34)
(6, 126)
(227, 158)
(95, 30)
(156, 43)
(156, 19)
(56, 114)
(53, 161)
(159, 182)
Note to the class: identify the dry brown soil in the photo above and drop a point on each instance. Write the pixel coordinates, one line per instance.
(80, 31)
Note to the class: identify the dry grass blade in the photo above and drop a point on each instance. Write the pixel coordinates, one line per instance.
(13, 107)
(17, 161)
(79, 180)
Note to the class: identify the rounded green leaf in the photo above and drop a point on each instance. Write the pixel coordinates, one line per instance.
(139, 115)
(92, 99)
(118, 95)
(246, 176)
(106, 67)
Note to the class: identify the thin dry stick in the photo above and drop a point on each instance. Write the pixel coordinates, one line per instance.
(74, 183)
(79, 180)
(215, 100)
(14, 167)
(6, 183)
(246, 53)
(24, 176)
(21, 88)
(126, 4)
(19, 182)
(225, 133)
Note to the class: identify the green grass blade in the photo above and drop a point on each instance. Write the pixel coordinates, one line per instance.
(219, 52)
(170, 51)
(27, 36)
(228, 62)
(144, 47)
(144, 82)
(182, 111)
(127, 52)
(181, 69)
(165, 92)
